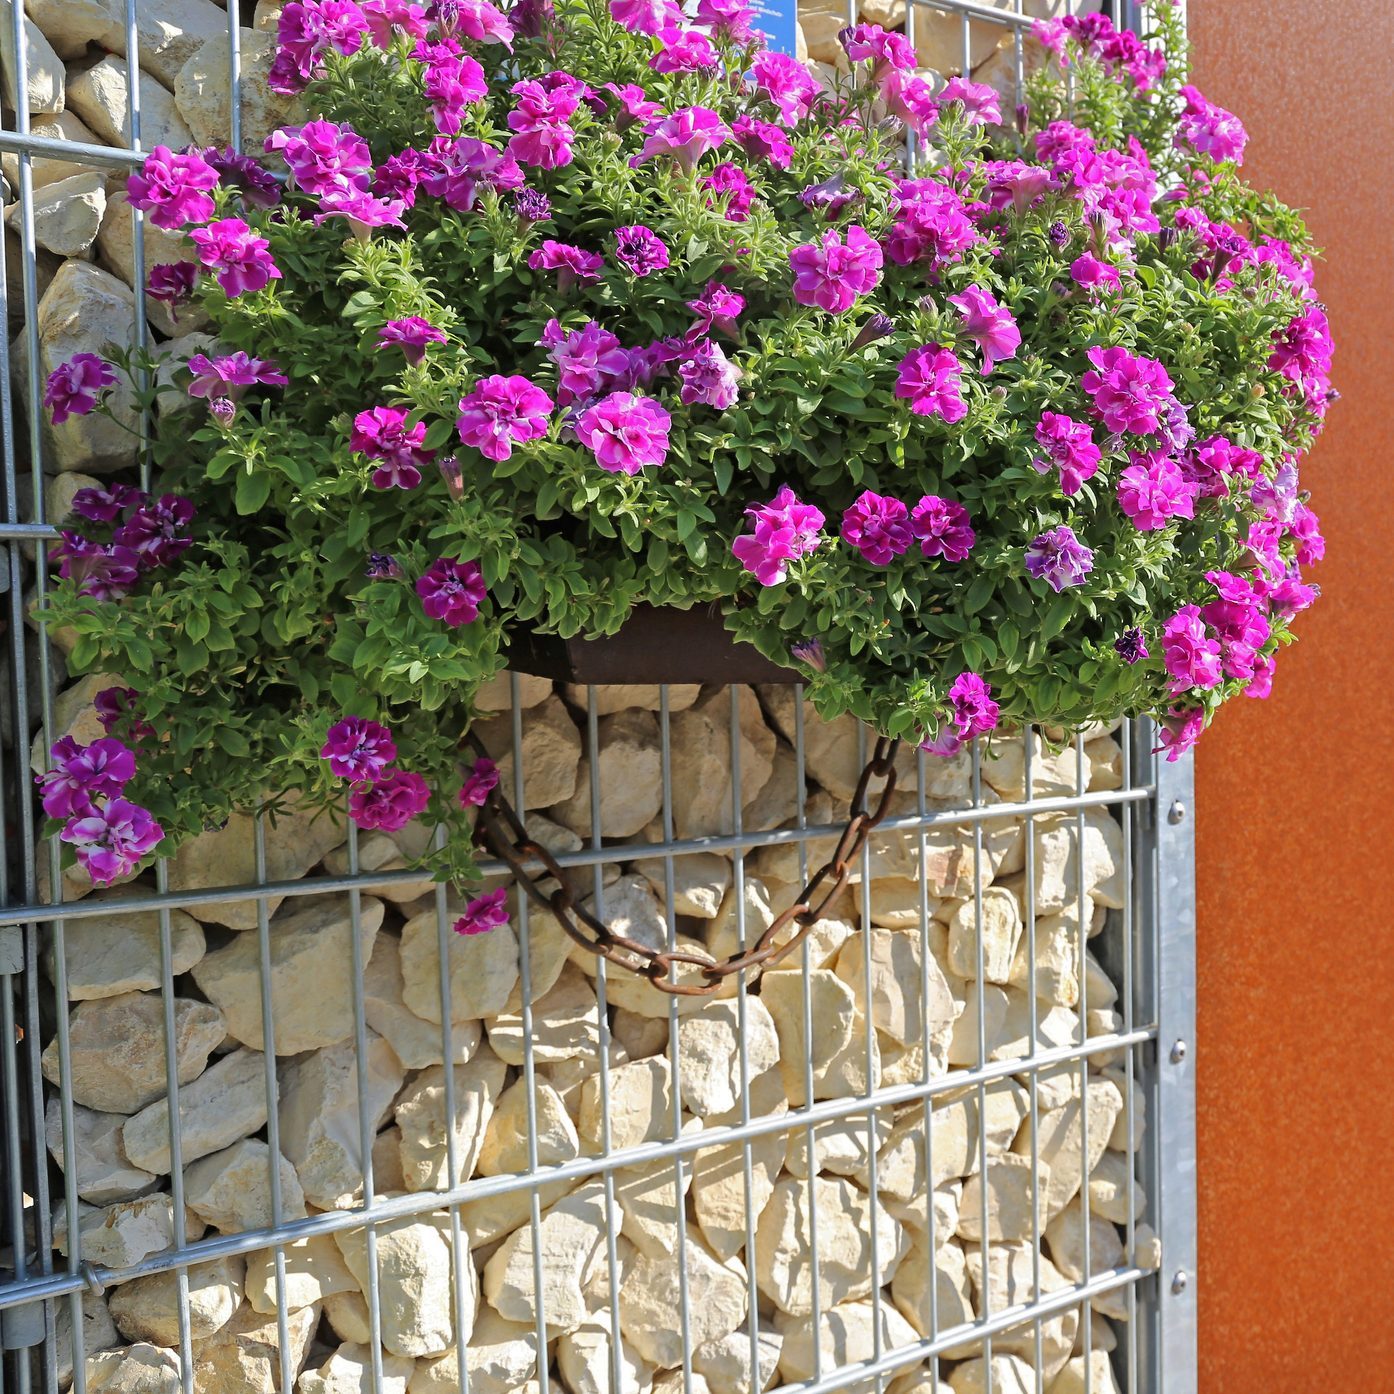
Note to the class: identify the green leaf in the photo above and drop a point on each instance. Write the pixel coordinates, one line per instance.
(252, 492)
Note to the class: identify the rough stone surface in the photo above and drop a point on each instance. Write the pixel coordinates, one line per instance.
(1012, 1199)
(501, 1357)
(98, 1334)
(44, 82)
(313, 1268)
(68, 213)
(1001, 930)
(551, 753)
(110, 954)
(640, 1104)
(44, 169)
(1057, 861)
(138, 1369)
(495, 695)
(505, 1146)
(700, 882)
(701, 762)
(584, 1360)
(483, 970)
(350, 1371)
(244, 1356)
(116, 242)
(311, 993)
(202, 97)
(100, 95)
(651, 1294)
(119, 1235)
(898, 993)
(423, 1118)
(952, 1298)
(648, 1200)
(617, 697)
(320, 1116)
(710, 1053)
(231, 1189)
(726, 1364)
(104, 1171)
(839, 1056)
(631, 778)
(1098, 1379)
(147, 1309)
(1011, 1280)
(1108, 1190)
(846, 1334)
(1061, 1142)
(1004, 1374)
(417, 1042)
(565, 1024)
(117, 1049)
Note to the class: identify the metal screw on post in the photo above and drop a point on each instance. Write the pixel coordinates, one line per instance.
(1177, 812)
(1179, 1281)
(1178, 1052)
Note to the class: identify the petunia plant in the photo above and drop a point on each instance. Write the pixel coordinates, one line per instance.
(974, 417)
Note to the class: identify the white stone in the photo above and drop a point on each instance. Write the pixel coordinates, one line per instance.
(107, 955)
(67, 213)
(569, 1240)
(649, 1201)
(1057, 961)
(1105, 764)
(138, 1369)
(348, 1317)
(168, 34)
(1056, 1028)
(496, 694)
(845, 1217)
(1053, 772)
(417, 1042)
(63, 126)
(147, 1309)
(902, 983)
(1091, 1376)
(116, 242)
(1108, 1189)
(505, 1145)
(719, 1196)
(1003, 1374)
(1011, 1270)
(382, 853)
(585, 1362)
(85, 310)
(639, 1036)
(701, 762)
(1119, 1139)
(231, 1189)
(952, 1297)
(724, 934)
(726, 1364)
(713, 1043)
(388, 1178)
(565, 1024)
(501, 1357)
(639, 1107)
(426, 1123)
(631, 779)
(320, 1115)
(244, 1357)
(833, 1014)
(551, 753)
(116, 1049)
(1057, 861)
(492, 1218)
(311, 994)
(700, 881)
(203, 99)
(350, 1371)
(483, 970)
(43, 68)
(617, 697)
(104, 1172)
(1060, 1145)
(1064, 1238)
(226, 1102)
(846, 1334)
(652, 1293)
(1001, 929)
(120, 1235)
(100, 95)
(296, 840)
(416, 1293)
(842, 1146)
(1013, 1199)
(312, 1268)
(98, 1334)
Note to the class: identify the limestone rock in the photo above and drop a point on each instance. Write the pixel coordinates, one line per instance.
(320, 1116)
(1053, 772)
(1061, 1142)
(388, 1178)
(100, 96)
(964, 1043)
(138, 1369)
(350, 1371)
(311, 993)
(585, 1362)
(1003, 1374)
(1105, 763)
(617, 697)
(718, 1173)
(98, 1334)
(639, 1036)
(1057, 860)
(551, 753)
(168, 34)
(726, 935)
(75, 715)
(1001, 929)
(203, 99)
(492, 1218)
(631, 778)
(839, 1048)
(505, 1145)
(845, 1217)
(777, 804)
(120, 1235)
(496, 694)
(116, 242)
(415, 1286)
(501, 1358)
(952, 1299)
(700, 881)
(226, 1102)
(1064, 1238)
(1119, 1139)
(650, 1201)
(701, 762)
(727, 1367)
(295, 841)
(898, 995)
(1108, 1189)
(1057, 961)
(569, 1240)
(85, 310)
(820, 21)
(147, 1309)
(565, 1024)
(312, 1268)
(107, 955)
(640, 1104)
(43, 68)
(244, 1357)
(1012, 1199)
(117, 1049)
(423, 1117)
(842, 1146)
(68, 213)
(65, 126)
(483, 970)
(1011, 1280)
(348, 1317)
(710, 1053)
(231, 1189)
(104, 1172)
(417, 1042)
(846, 1334)
(651, 1294)
(1099, 1378)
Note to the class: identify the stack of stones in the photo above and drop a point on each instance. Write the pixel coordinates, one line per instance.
(916, 1215)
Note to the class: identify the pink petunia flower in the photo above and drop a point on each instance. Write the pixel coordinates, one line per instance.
(971, 708)
(785, 81)
(572, 264)
(762, 140)
(484, 913)
(709, 377)
(687, 134)
(76, 385)
(979, 102)
(930, 378)
(731, 191)
(648, 17)
(240, 259)
(625, 432)
(640, 250)
(877, 526)
(1192, 656)
(455, 170)
(385, 435)
(989, 324)
(1179, 730)
(452, 591)
(588, 359)
(389, 802)
(173, 190)
(885, 51)
(717, 309)
(943, 528)
(358, 749)
(1068, 446)
(480, 781)
(323, 156)
(452, 85)
(1152, 491)
(306, 31)
(783, 530)
(231, 374)
(499, 411)
(831, 273)
(684, 51)
(1091, 274)
(1210, 130)
(1131, 393)
(411, 335)
(111, 841)
(82, 773)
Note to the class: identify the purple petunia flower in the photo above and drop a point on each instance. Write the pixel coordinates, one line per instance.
(103, 572)
(1192, 656)
(104, 503)
(171, 282)
(763, 140)
(1069, 447)
(684, 51)
(411, 335)
(831, 273)
(783, 530)
(717, 308)
(1091, 274)
(481, 780)
(541, 136)
(74, 387)
(785, 81)
(231, 375)
(930, 379)
(389, 802)
(811, 653)
(1152, 491)
(709, 377)
(885, 51)
(114, 705)
(475, 19)
(363, 209)
(499, 411)
(1131, 645)
(971, 708)
(256, 184)
(173, 190)
(306, 31)
(82, 773)
(1059, 558)
(932, 225)
(455, 170)
(532, 205)
(589, 360)
(732, 192)
(323, 156)
(452, 590)
(1131, 393)
(648, 17)
(686, 134)
(1179, 730)
(358, 749)
(877, 526)
(110, 842)
(943, 528)
(452, 84)
(989, 324)
(979, 102)
(484, 913)
(383, 434)
(572, 264)
(1210, 130)
(640, 249)
(625, 432)
(156, 531)
(241, 260)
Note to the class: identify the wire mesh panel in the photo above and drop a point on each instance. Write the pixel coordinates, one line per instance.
(270, 1124)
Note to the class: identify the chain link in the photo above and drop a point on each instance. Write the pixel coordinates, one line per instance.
(501, 831)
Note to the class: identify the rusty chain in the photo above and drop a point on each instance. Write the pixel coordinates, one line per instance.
(500, 830)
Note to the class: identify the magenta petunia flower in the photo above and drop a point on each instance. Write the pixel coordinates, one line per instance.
(451, 85)
(171, 282)
(1069, 447)
(640, 249)
(240, 259)
(82, 773)
(634, 104)
(1305, 530)
(649, 17)
(157, 531)
(388, 18)
(173, 190)
(306, 31)
(625, 432)
(731, 19)
(477, 20)
(541, 135)
(971, 708)
(709, 377)
(1091, 274)
(104, 503)
(389, 802)
(930, 378)
(684, 51)
(1210, 130)
(989, 324)
(1059, 558)
(572, 264)
(1015, 184)
(932, 225)
(1192, 656)
(877, 526)
(910, 98)
(763, 140)
(1179, 730)
(481, 780)
(731, 191)
(1131, 393)
(979, 102)
(455, 171)
(1131, 645)
(943, 528)
(323, 156)
(363, 209)
(399, 175)
(589, 360)
(686, 134)
(358, 749)
(717, 309)
(885, 51)
(75, 386)
(1302, 352)
(785, 81)
(452, 591)
(1152, 491)
(231, 374)
(484, 913)
(257, 186)
(109, 842)
(411, 335)
(1238, 617)
(499, 411)
(384, 434)
(783, 530)
(831, 273)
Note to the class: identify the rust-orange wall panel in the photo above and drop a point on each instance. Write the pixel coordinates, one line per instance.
(1295, 799)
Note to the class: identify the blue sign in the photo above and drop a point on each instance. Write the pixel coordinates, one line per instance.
(778, 22)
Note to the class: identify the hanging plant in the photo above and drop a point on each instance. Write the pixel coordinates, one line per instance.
(551, 312)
